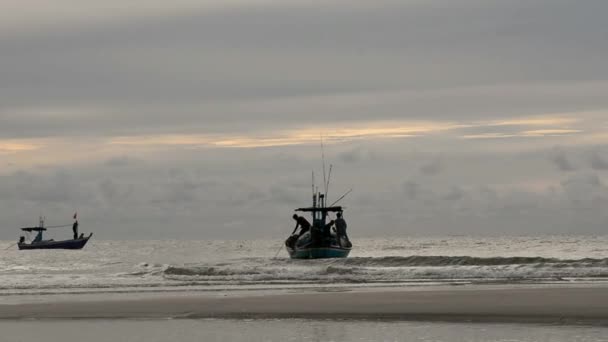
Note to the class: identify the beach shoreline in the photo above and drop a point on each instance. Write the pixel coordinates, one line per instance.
(550, 305)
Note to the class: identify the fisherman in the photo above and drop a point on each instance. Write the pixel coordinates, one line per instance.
(75, 229)
(326, 232)
(327, 228)
(302, 223)
(340, 228)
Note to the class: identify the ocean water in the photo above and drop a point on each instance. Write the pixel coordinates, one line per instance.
(289, 330)
(173, 266)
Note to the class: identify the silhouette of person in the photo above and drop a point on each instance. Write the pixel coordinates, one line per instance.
(75, 230)
(340, 228)
(302, 223)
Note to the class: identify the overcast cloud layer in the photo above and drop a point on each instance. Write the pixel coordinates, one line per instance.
(202, 120)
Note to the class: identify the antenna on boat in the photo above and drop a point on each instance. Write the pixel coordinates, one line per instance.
(327, 184)
(313, 182)
(323, 159)
(339, 199)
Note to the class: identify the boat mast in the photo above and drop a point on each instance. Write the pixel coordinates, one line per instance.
(323, 160)
(327, 184)
(41, 225)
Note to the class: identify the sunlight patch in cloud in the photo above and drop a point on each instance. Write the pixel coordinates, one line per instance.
(15, 146)
(525, 134)
(550, 132)
(529, 127)
(77, 149)
(536, 126)
(310, 135)
(536, 121)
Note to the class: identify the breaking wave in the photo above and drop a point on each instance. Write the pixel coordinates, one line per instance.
(207, 271)
(414, 261)
(392, 270)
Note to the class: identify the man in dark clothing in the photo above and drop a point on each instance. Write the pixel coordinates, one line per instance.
(75, 230)
(302, 223)
(326, 234)
(340, 228)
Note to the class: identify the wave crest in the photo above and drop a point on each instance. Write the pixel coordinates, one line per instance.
(206, 271)
(416, 260)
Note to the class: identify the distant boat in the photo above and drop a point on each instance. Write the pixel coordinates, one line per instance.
(39, 243)
(320, 242)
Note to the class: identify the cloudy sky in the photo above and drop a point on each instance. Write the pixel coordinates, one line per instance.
(202, 119)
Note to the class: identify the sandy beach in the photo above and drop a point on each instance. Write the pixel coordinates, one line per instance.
(514, 305)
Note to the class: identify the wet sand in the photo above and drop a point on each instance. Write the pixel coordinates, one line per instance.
(514, 305)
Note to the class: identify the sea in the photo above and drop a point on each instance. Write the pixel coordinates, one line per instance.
(136, 268)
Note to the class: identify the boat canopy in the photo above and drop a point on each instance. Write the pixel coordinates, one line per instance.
(33, 229)
(320, 209)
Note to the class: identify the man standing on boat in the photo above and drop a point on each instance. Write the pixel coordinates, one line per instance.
(340, 228)
(302, 223)
(75, 226)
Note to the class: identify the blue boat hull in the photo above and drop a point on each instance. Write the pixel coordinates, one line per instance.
(318, 253)
(65, 244)
(305, 247)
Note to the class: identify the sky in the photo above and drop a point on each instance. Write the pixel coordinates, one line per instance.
(204, 119)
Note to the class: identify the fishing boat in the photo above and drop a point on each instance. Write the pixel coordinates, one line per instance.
(320, 241)
(39, 243)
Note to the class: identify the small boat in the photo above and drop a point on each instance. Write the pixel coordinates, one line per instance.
(320, 242)
(39, 243)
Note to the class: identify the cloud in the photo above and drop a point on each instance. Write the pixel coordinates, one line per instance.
(455, 194)
(305, 135)
(205, 194)
(202, 120)
(411, 189)
(351, 157)
(11, 146)
(206, 68)
(432, 167)
(120, 161)
(598, 162)
(559, 158)
(583, 187)
(357, 154)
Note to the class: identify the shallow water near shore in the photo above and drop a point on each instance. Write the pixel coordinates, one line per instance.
(175, 266)
(130, 270)
(290, 330)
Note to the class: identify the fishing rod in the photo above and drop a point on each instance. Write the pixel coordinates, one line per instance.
(339, 199)
(281, 247)
(13, 245)
(279, 251)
